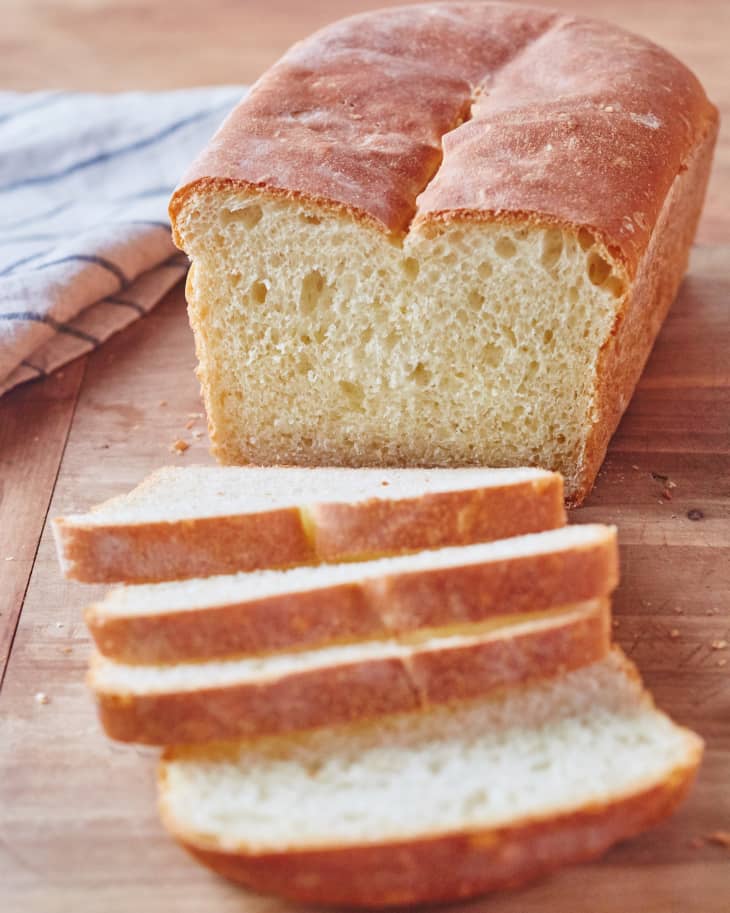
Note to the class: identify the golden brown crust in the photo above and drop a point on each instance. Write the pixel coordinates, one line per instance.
(343, 692)
(338, 613)
(444, 867)
(357, 116)
(353, 117)
(475, 592)
(198, 547)
(204, 546)
(660, 272)
(438, 520)
(376, 607)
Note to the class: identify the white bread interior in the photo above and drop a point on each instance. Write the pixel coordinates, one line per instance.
(590, 737)
(321, 339)
(179, 493)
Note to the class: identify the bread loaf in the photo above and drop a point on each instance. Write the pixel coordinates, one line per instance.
(438, 805)
(442, 235)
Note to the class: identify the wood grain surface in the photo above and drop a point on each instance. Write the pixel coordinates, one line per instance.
(78, 829)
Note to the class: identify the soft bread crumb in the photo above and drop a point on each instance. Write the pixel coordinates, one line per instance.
(355, 350)
(588, 737)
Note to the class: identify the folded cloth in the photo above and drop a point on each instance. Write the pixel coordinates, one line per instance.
(85, 243)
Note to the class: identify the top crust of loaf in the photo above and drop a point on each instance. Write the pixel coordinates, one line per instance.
(420, 115)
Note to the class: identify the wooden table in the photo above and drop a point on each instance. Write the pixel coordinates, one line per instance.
(78, 830)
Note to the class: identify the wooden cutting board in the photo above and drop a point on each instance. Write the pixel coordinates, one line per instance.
(78, 829)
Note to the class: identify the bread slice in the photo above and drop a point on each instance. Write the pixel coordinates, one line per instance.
(401, 253)
(199, 702)
(264, 611)
(438, 805)
(202, 520)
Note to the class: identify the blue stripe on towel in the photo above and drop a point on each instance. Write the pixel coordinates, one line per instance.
(90, 258)
(114, 153)
(35, 317)
(30, 220)
(6, 270)
(143, 194)
(31, 106)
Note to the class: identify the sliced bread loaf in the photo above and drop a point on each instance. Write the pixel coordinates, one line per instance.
(198, 521)
(443, 234)
(264, 611)
(199, 702)
(438, 805)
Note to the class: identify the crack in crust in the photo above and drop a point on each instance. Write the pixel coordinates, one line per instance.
(360, 117)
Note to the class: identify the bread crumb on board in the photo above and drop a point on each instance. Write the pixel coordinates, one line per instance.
(179, 446)
(719, 645)
(720, 838)
(42, 698)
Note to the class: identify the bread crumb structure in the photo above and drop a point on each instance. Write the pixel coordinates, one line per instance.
(438, 805)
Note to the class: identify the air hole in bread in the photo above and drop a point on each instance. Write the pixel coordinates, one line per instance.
(259, 292)
(509, 335)
(312, 286)
(615, 286)
(476, 300)
(249, 216)
(598, 269)
(492, 354)
(311, 220)
(505, 247)
(485, 269)
(353, 393)
(420, 375)
(552, 247)
(411, 267)
(586, 239)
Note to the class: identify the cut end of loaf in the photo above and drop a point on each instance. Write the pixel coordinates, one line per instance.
(323, 340)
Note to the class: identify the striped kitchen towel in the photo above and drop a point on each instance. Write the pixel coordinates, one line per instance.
(85, 244)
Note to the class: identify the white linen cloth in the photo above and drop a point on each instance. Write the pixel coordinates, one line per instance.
(85, 243)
